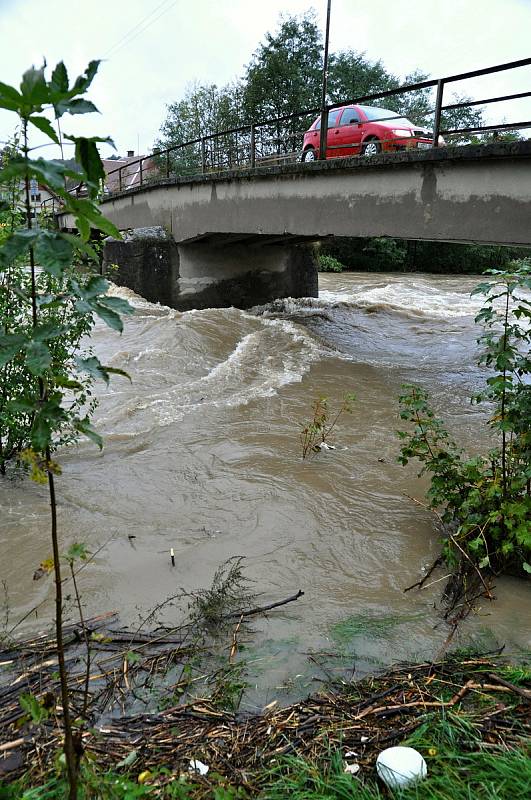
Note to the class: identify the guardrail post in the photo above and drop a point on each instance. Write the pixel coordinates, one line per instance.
(438, 108)
(203, 155)
(253, 146)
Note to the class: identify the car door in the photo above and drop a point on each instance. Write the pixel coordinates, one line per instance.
(313, 137)
(349, 132)
(332, 138)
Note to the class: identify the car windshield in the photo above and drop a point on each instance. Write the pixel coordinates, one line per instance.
(374, 113)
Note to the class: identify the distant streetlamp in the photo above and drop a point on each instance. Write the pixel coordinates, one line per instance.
(324, 110)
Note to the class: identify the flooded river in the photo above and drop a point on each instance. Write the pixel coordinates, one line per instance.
(202, 454)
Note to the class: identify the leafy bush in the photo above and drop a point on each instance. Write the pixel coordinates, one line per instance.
(486, 500)
(46, 307)
(385, 253)
(56, 354)
(402, 255)
(329, 264)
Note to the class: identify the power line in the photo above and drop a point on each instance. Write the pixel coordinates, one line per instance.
(140, 27)
(164, 11)
(133, 29)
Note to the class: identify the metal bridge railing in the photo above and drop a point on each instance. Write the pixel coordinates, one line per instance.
(278, 141)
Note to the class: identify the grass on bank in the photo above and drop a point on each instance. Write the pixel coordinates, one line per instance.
(457, 770)
(452, 775)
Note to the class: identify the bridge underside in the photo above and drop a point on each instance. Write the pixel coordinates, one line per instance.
(248, 223)
(213, 271)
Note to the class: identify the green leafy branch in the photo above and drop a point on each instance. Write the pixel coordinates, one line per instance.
(485, 501)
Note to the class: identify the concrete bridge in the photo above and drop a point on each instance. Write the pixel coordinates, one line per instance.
(244, 237)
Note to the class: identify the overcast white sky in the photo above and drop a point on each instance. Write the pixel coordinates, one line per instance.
(154, 48)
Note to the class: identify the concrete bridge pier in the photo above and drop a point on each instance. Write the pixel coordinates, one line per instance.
(211, 271)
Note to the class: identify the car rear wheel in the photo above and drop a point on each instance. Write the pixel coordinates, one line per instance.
(309, 155)
(371, 148)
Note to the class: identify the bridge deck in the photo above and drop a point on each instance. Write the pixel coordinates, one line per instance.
(462, 194)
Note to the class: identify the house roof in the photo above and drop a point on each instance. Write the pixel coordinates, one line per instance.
(124, 173)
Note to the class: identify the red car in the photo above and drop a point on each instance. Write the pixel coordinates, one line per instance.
(367, 130)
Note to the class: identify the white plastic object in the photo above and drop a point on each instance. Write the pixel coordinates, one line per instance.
(399, 767)
(198, 766)
(352, 769)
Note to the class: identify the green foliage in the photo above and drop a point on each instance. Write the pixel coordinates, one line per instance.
(96, 784)
(11, 208)
(387, 252)
(46, 385)
(46, 308)
(228, 593)
(351, 75)
(34, 708)
(229, 685)
(366, 254)
(329, 264)
(285, 72)
(204, 110)
(485, 501)
(397, 255)
(315, 434)
(45, 352)
(77, 551)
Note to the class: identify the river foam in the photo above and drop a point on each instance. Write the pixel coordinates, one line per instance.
(180, 363)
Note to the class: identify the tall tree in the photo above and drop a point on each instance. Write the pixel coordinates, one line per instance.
(285, 72)
(204, 110)
(284, 77)
(351, 75)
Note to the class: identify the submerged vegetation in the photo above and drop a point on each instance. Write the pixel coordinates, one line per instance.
(484, 502)
(315, 435)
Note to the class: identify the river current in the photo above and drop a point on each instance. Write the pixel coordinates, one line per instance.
(202, 455)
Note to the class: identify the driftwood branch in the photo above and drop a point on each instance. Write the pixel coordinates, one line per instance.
(438, 561)
(525, 693)
(262, 609)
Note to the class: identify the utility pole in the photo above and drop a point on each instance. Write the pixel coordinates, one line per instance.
(324, 110)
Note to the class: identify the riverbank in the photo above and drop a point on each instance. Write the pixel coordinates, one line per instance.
(468, 716)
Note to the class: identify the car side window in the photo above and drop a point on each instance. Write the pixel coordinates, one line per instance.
(350, 115)
(332, 119)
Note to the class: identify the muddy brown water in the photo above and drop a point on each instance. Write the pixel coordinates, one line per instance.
(202, 454)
